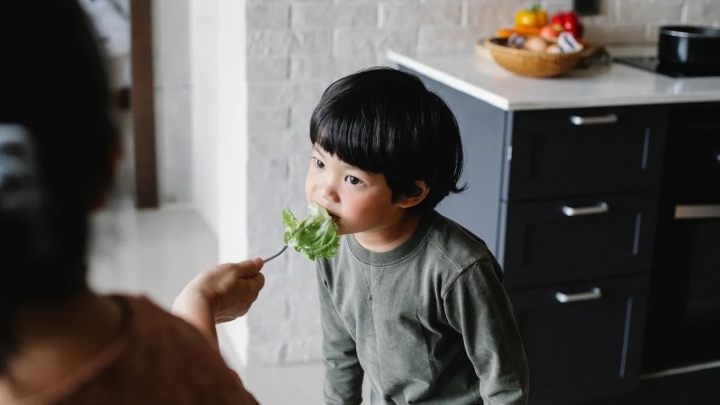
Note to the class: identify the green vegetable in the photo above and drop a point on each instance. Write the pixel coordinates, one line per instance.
(314, 236)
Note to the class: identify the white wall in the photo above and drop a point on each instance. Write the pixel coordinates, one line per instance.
(171, 48)
(219, 132)
(204, 108)
(233, 150)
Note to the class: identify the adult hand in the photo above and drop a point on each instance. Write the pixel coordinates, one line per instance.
(229, 289)
(220, 294)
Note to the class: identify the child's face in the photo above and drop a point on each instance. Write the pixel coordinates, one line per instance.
(358, 201)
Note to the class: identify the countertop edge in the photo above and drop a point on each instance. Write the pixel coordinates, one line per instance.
(508, 105)
(450, 81)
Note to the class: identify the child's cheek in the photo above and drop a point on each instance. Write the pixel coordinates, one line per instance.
(308, 186)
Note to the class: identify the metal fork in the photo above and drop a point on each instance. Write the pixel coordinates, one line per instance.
(276, 254)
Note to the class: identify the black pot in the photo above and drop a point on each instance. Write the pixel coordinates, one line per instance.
(690, 46)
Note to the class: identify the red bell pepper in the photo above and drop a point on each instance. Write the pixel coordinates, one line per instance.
(569, 22)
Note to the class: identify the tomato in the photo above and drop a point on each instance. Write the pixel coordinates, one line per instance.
(569, 22)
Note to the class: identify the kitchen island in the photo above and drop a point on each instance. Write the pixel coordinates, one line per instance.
(568, 179)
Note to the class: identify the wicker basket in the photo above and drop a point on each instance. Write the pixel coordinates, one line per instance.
(527, 63)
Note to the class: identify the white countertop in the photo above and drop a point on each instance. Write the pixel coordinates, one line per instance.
(605, 86)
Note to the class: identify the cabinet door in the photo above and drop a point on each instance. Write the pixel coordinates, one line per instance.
(582, 341)
(580, 151)
(577, 239)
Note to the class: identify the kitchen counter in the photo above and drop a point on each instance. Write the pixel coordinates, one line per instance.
(601, 86)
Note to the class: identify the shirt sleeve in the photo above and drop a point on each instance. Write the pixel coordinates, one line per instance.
(343, 373)
(477, 306)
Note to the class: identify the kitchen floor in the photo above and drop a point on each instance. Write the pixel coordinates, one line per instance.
(156, 253)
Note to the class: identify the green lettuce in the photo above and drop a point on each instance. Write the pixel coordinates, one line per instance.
(314, 236)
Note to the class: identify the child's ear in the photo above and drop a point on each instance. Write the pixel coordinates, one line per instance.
(421, 191)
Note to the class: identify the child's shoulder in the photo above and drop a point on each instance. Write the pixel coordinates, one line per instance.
(456, 243)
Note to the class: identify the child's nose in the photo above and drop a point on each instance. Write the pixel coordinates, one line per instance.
(328, 191)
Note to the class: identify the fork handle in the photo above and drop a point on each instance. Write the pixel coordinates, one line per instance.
(276, 254)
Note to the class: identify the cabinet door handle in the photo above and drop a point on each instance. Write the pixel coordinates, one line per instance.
(586, 296)
(595, 209)
(603, 119)
(697, 211)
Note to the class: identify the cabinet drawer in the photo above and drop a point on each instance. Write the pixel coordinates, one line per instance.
(570, 152)
(583, 341)
(577, 239)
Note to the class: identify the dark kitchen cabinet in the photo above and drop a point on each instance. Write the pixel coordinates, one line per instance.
(582, 340)
(567, 200)
(577, 238)
(587, 150)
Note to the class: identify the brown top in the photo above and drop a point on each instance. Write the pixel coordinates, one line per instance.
(158, 359)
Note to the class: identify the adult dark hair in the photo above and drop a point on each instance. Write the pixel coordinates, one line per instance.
(56, 159)
(385, 121)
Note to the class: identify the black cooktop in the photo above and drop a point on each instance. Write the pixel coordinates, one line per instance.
(652, 64)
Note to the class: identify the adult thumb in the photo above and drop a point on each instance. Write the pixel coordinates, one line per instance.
(249, 268)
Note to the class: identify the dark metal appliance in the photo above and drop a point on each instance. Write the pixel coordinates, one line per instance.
(683, 51)
(683, 324)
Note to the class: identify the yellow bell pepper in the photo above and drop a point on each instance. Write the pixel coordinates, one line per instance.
(533, 18)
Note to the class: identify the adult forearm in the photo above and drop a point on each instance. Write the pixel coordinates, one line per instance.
(199, 313)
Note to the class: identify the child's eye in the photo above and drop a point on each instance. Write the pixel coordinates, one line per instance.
(318, 163)
(353, 180)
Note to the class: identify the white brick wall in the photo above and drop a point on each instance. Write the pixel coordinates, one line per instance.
(371, 40)
(323, 15)
(284, 42)
(643, 11)
(269, 16)
(413, 15)
(298, 47)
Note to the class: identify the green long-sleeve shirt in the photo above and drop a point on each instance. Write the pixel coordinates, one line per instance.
(429, 322)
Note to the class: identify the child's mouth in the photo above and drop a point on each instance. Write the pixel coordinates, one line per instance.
(334, 217)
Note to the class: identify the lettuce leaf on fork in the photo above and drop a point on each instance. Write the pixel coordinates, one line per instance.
(314, 236)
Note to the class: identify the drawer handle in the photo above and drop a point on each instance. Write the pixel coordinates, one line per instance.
(586, 296)
(697, 211)
(595, 209)
(604, 119)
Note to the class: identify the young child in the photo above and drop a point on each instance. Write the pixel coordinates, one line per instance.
(411, 298)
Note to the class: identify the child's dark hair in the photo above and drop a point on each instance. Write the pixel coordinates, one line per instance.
(55, 104)
(385, 121)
